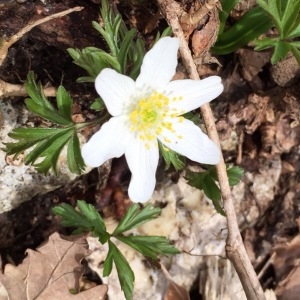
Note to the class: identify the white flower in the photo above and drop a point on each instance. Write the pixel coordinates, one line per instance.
(147, 110)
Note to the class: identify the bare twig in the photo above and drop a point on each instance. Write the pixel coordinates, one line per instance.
(6, 44)
(235, 249)
(18, 90)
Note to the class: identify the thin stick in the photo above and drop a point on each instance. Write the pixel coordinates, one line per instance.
(235, 249)
(6, 44)
(18, 90)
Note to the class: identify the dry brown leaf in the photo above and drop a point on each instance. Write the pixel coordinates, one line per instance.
(50, 272)
(174, 291)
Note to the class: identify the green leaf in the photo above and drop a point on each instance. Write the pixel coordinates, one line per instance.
(171, 157)
(206, 181)
(93, 60)
(125, 273)
(296, 53)
(135, 216)
(75, 160)
(265, 43)
(290, 18)
(54, 141)
(234, 175)
(249, 27)
(138, 54)
(295, 32)
(97, 226)
(46, 113)
(98, 104)
(227, 7)
(64, 103)
(124, 49)
(47, 143)
(295, 44)
(150, 246)
(36, 92)
(211, 190)
(195, 118)
(86, 219)
(280, 52)
(72, 218)
(49, 149)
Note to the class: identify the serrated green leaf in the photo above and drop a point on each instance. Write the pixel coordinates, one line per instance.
(234, 175)
(290, 17)
(98, 227)
(194, 179)
(71, 217)
(280, 52)
(36, 92)
(125, 273)
(206, 181)
(75, 160)
(273, 11)
(46, 113)
(107, 33)
(49, 146)
(171, 157)
(108, 264)
(111, 61)
(150, 246)
(18, 147)
(49, 160)
(64, 103)
(98, 104)
(264, 43)
(135, 216)
(35, 134)
(89, 59)
(211, 190)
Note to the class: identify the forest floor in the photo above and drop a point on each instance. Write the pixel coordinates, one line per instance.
(257, 116)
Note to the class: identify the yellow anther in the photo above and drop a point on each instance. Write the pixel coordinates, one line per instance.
(148, 118)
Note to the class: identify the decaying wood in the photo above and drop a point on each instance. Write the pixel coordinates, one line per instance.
(234, 245)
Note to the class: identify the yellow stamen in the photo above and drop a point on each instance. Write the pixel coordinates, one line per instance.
(148, 117)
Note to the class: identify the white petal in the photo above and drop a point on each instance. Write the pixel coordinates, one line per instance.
(142, 163)
(116, 90)
(194, 93)
(159, 64)
(110, 141)
(188, 140)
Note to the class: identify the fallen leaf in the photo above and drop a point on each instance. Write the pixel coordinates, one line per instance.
(50, 272)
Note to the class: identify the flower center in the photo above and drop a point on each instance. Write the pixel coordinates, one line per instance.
(147, 118)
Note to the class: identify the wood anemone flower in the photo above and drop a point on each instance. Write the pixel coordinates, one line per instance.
(150, 109)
